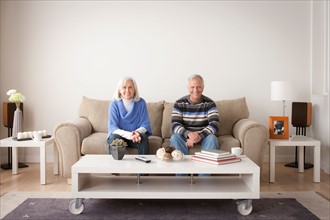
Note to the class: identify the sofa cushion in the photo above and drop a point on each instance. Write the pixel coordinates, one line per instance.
(96, 143)
(155, 143)
(155, 112)
(230, 112)
(96, 111)
(226, 142)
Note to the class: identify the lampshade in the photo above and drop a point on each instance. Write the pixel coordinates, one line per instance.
(281, 90)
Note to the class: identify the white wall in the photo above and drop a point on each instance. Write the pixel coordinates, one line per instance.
(54, 52)
(320, 78)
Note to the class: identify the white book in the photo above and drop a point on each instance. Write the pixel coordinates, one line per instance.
(214, 157)
(217, 162)
(215, 152)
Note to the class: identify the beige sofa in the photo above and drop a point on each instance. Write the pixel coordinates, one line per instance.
(87, 134)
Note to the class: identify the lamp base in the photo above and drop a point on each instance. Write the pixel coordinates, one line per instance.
(295, 165)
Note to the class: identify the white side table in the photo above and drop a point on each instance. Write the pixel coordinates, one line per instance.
(300, 141)
(9, 142)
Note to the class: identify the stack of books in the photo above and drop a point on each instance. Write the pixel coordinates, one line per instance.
(217, 157)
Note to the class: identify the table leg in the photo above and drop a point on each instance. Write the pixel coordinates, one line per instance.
(301, 159)
(317, 163)
(55, 165)
(14, 160)
(272, 163)
(43, 165)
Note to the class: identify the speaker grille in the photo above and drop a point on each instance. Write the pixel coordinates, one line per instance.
(301, 114)
(8, 109)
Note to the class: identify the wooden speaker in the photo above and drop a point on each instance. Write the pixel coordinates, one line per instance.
(301, 114)
(8, 109)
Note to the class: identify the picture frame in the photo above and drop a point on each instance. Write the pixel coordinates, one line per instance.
(278, 127)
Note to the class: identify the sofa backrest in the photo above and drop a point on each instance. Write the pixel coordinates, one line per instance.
(96, 111)
(167, 120)
(155, 112)
(230, 112)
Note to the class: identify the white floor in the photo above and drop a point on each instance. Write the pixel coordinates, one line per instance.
(311, 200)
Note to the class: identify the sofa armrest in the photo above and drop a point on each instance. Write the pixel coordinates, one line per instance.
(253, 137)
(68, 138)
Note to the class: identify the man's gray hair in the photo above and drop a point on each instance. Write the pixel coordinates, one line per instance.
(120, 84)
(194, 76)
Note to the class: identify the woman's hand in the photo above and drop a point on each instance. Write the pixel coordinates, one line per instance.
(136, 137)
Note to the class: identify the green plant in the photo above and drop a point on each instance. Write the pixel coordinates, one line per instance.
(119, 143)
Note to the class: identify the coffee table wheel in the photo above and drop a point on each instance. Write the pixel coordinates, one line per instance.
(76, 210)
(244, 207)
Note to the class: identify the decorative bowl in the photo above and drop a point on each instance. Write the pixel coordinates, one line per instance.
(169, 154)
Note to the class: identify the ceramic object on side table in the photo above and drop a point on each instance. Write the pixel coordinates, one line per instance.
(18, 121)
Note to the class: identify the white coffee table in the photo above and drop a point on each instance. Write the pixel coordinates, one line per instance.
(300, 141)
(91, 179)
(9, 142)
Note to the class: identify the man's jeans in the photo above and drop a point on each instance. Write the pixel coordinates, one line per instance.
(179, 142)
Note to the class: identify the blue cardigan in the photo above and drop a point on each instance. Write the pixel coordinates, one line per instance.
(137, 117)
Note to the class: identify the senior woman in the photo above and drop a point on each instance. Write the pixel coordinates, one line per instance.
(128, 117)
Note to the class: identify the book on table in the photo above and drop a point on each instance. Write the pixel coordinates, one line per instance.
(215, 152)
(216, 161)
(215, 157)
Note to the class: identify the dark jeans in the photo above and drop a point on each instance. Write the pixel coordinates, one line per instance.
(143, 146)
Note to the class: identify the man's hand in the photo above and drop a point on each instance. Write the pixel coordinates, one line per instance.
(136, 137)
(189, 143)
(194, 137)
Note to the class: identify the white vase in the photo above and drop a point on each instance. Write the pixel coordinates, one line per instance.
(18, 121)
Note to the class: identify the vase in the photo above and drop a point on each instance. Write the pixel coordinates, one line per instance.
(18, 121)
(117, 152)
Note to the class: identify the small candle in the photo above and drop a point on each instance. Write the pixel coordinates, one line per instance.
(44, 133)
(26, 135)
(20, 135)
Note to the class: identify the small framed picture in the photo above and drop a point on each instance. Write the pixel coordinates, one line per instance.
(278, 127)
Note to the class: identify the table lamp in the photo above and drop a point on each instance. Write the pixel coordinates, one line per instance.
(281, 91)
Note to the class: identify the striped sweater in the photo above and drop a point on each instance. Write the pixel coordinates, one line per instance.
(188, 116)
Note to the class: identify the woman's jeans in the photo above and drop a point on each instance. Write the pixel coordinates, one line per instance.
(143, 146)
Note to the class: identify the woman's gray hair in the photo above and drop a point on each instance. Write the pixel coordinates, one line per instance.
(120, 84)
(194, 76)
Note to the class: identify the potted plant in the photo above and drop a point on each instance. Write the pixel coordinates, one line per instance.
(118, 148)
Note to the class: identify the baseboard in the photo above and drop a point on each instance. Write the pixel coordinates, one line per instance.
(325, 167)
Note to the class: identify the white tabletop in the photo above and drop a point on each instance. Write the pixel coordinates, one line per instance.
(106, 164)
(10, 142)
(298, 140)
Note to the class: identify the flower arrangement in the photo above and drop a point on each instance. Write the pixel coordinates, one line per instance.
(16, 97)
(119, 143)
